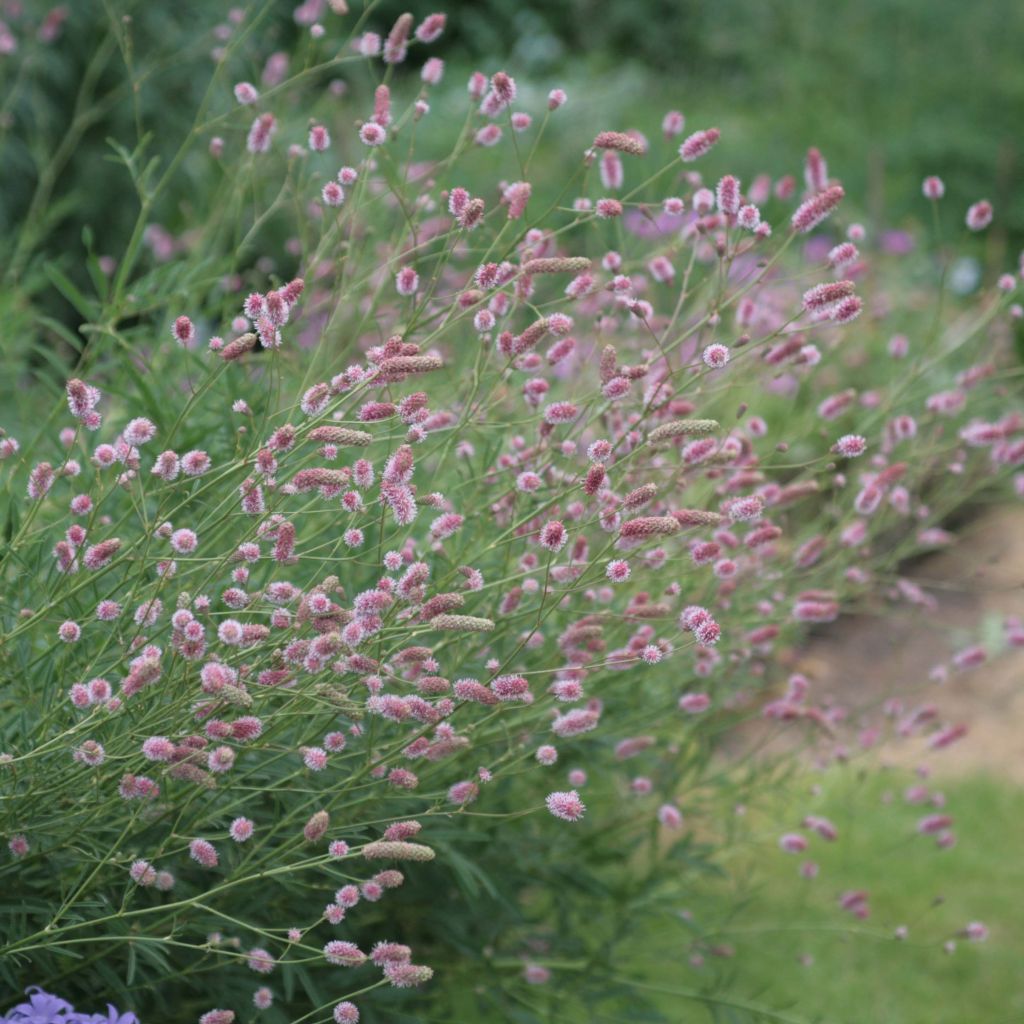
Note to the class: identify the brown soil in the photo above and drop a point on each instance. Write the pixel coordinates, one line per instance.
(979, 581)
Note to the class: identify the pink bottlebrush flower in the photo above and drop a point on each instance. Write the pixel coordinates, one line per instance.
(749, 217)
(489, 135)
(158, 748)
(715, 356)
(69, 632)
(560, 412)
(142, 873)
(195, 463)
(815, 171)
(816, 209)
(139, 431)
(246, 93)
(319, 138)
(432, 71)
(403, 975)
(314, 758)
(727, 195)
(607, 209)
(332, 194)
(565, 805)
(792, 842)
(556, 99)
(694, 703)
(263, 998)
(846, 310)
(698, 144)
(338, 848)
(947, 736)
(744, 509)
(346, 1013)
(512, 688)
(463, 793)
(218, 1017)
(184, 332)
(621, 142)
(203, 853)
(672, 124)
(546, 754)
(553, 536)
(429, 30)
(824, 297)
(670, 816)
(516, 196)
(241, 830)
(612, 175)
(184, 541)
(618, 570)
(850, 446)
(407, 281)
(344, 954)
(933, 823)
(369, 44)
(316, 828)
(979, 215)
(372, 134)
(260, 960)
(842, 255)
(933, 188)
(822, 826)
(396, 45)
(261, 133)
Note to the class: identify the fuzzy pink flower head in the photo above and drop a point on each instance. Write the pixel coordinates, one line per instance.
(566, 805)
(850, 446)
(979, 215)
(346, 1013)
(246, 93)
(372, 134)
(260, 960)
(618, 570)
(139, 431)
(463, 792)
(203, 853)
(792, 842)
(933, 187)
(69, 631)
(727, 195)
(344, 954)
(332, 194)
(319, 138)
(407, 281)
(694, 703)
(183, 331)
(241, 830)
(670, 816)
(184, 541)
(715, 356)
(218, 1017)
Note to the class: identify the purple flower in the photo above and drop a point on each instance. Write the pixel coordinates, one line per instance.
(43, 1008)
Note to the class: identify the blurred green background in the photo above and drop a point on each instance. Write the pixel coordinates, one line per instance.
(890, 90)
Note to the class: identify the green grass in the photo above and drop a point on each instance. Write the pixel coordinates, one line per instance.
(859, 973)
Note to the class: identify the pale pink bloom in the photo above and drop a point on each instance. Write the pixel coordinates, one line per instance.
(203, 853)
(565, 805)
(979, 215)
